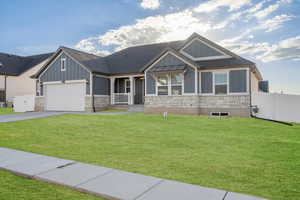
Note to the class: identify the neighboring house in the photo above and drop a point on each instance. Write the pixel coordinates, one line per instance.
(15, 72)
(195, 76)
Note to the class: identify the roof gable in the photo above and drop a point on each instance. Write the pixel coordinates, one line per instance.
(199, 50)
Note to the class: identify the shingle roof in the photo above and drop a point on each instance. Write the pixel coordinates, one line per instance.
(13, 65)
(135, 59)
(92, 62)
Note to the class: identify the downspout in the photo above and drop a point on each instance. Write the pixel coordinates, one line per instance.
(250, 91)
(92, 93)
(5, 90)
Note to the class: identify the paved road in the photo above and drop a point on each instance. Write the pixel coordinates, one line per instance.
(106, 182)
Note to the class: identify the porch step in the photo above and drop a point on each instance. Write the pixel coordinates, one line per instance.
(136, 108)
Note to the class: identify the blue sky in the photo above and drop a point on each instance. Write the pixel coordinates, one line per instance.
(265, 31)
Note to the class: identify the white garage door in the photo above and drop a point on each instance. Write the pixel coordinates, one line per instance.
(65, 97)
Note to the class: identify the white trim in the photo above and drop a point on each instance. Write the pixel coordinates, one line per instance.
(99, 95)
(66, 82)
(159, 59)
(76, 81)
(203, 58)
(60, 54)
(50, 64)
(127, 76)
(164, 55)
(102, 76)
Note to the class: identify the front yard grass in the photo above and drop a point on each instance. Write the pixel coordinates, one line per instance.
(14, 187)
(244, 155)
(5, 111)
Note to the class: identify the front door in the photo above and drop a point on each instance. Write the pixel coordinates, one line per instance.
(139, 91)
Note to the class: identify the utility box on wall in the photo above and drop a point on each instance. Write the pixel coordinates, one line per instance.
(24, 103)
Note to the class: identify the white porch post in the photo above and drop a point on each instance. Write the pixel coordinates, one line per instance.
(112, 90)
(131, 98)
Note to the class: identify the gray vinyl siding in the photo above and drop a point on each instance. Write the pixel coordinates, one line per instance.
(168, 60)
(74, 71)
(197, 49)
(206, 82)
(238, 81)
(101, 86)
(151, 89)
(189, 80)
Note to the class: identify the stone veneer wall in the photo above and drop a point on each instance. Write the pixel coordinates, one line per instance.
(188, 104)
(39, 104)
(236, 105)
(100, 102)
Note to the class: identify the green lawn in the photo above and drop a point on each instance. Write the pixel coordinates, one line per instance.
(244, 155)
(111, 111)
(5, 111)
(13, 187)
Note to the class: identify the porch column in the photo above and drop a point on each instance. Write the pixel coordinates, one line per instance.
(131, 98)
(112, 91)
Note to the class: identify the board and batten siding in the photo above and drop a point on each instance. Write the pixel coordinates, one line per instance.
(197, 49)
(168, 61)
(237, 81)
(101, 85)
(206, 82)
(189, 80)
(150, 85)
(74, 71)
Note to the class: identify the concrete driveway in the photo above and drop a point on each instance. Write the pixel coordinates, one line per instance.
(28, 115)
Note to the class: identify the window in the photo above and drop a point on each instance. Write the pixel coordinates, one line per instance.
(127, 86)
(221, 82)
(63, 64)
(162, 84)
(176, 84)
(169, 84)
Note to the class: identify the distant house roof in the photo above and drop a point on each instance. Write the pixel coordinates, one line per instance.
(13, 65)
(136, 59)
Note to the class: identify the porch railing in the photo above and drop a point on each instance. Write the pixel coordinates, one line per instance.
(121, 98)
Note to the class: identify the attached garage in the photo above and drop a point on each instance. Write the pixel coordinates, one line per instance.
(65, 96)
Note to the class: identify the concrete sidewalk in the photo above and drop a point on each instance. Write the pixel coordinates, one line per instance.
(106, 182)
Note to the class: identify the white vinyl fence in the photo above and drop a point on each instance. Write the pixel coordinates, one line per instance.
(280, 107)
(24, 103)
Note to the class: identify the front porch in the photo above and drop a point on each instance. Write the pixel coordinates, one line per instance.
(127, 90)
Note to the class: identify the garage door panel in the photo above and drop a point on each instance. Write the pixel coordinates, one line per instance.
(65, 97)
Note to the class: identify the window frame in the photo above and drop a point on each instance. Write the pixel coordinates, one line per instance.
(248, 89)
(214, 82)
(127, 87)
(169, 83)
(63, 65)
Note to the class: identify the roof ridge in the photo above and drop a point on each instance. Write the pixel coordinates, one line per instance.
(79, 51)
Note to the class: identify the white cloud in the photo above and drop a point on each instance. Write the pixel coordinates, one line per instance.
(160, 28)
(179, 25)
(89, 45)
(267, 11)
(215, 4)
(150, 4)
(284, 49)
(275, 22)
